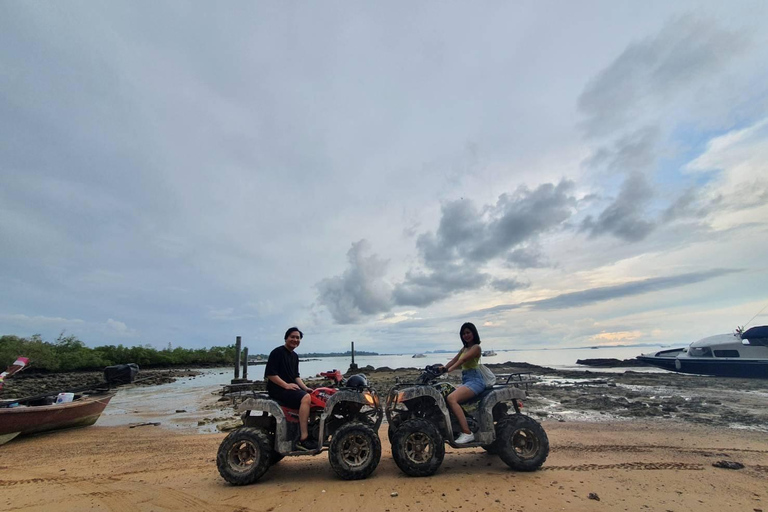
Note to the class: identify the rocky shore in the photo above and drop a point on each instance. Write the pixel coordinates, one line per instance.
(32, 384)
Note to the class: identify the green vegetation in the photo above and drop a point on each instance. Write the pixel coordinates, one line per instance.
(70, 354)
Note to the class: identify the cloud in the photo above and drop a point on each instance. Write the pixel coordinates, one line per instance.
(508, 285)
(623, 218)
(360, 290)
(527, 257)
(655, 72)
(608, 293)
(421, 289)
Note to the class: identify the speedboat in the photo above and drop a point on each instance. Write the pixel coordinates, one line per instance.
(741, 354)
(489, 353)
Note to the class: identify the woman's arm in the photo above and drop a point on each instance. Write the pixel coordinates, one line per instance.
(456, 362)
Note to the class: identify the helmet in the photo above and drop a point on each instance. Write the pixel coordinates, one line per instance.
(357, 381)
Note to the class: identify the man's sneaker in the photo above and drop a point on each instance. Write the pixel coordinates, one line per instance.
(306, 445)
(465, 438)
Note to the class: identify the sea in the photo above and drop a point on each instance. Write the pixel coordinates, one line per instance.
(560, 358)
(185, 404)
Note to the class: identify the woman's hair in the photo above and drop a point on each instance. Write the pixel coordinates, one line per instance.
(471, 327)
(293, 329)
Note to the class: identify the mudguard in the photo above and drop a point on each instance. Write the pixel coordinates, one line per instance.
(348, 395)
(282, 442)
(486, 434)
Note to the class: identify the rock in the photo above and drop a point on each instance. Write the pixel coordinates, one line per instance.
(594, 496)
(394, 495)
(728, 464)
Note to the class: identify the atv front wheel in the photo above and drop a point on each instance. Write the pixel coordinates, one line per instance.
(417, 447)
(244, 456)
(522, 443)
(355, 451)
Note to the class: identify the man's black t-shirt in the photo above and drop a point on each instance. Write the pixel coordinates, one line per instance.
(283, 363)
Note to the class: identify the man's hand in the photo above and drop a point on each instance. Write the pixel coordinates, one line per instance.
(443, 369)
(292, 386)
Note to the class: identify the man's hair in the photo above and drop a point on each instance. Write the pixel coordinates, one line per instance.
(291, 330)
(471, 327)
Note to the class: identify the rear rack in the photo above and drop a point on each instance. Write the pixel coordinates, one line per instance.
(519, 380)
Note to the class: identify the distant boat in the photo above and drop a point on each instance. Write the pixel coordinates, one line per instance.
(725, 355)
(21, 420)
(489, 353)
(418, 355)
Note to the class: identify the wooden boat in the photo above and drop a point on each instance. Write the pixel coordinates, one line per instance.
(22, 420)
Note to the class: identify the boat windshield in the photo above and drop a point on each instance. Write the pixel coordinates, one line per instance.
(700, 352)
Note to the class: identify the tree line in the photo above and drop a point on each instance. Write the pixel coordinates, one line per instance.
(68, 353)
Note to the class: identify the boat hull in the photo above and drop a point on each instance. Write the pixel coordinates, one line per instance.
(43, 418)
(751, 369)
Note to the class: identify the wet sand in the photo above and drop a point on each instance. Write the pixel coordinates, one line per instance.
(636, 465)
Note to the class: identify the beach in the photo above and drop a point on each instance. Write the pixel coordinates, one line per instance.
(638, 465)
(619, 441)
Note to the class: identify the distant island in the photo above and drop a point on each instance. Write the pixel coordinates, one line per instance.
(348, 353)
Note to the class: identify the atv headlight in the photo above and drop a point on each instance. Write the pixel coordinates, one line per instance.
(369, 398)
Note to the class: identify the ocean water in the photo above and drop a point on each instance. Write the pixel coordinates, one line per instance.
(564, 359)
(180, 405)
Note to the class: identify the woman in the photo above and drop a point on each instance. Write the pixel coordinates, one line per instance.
(472, 382)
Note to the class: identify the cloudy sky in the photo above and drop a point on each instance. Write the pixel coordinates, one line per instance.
(560, 174)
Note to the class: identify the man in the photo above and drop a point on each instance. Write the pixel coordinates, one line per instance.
(285, 385)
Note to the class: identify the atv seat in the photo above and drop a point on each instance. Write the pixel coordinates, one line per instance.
(479, 397)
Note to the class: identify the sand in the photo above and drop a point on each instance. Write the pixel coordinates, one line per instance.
(634, 465)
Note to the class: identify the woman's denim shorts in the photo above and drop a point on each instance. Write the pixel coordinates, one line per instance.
(473, 379)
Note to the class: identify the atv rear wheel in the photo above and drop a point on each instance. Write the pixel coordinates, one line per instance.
(522, 443)
(244, 455)
(355, 451)
(417, 447)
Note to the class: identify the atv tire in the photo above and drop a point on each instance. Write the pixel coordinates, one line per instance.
(244, 455)
(355, 451)
(522, 443)
(418, 447)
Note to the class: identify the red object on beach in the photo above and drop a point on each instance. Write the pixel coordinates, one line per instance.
(16, 367)
(23, 420)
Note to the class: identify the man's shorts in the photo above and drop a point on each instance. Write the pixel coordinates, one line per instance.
(290, 398)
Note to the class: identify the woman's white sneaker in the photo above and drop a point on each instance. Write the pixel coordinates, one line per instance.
(465, 438)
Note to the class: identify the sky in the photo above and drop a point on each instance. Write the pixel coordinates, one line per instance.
(560, 174)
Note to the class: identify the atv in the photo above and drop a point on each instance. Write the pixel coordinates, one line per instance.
(420, 422)
(344, 418)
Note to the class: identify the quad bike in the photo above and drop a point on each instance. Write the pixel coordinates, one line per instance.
(420, 423)
(344, 418)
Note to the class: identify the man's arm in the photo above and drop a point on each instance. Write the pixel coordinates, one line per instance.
(280, 382)
(303, 386)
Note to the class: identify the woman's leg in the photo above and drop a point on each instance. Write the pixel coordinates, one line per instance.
(460, 394)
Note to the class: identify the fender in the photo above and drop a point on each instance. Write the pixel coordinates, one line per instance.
(348, 395)
(282, 443)
(486, 434)
(409, 393)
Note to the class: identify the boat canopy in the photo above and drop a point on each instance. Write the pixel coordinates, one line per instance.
(757, 332)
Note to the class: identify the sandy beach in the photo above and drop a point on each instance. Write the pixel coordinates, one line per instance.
(637, 465)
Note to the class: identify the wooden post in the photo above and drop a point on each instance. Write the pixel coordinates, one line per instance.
(245, 363)
(238, 345)
(353, 366)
